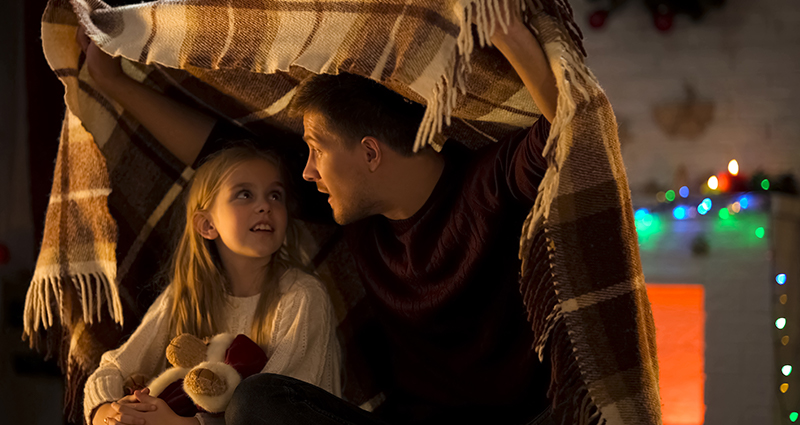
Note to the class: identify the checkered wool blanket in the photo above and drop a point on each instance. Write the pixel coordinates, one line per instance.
(112, 215)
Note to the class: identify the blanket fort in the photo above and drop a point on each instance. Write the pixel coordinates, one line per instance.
(116, 189)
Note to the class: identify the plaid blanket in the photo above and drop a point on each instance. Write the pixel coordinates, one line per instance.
(112, 219)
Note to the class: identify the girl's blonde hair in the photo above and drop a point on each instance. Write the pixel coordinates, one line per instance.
(199, 282)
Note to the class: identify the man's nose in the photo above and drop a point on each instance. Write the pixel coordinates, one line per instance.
(310, 172)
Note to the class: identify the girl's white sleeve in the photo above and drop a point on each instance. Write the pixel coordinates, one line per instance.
(304, 336)
(143, 353)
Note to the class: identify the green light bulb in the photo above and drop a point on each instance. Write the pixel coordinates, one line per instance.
(793, 416)
(786, 370)
(724, 214)
(670, 195)
(760, 233)
(765, 184)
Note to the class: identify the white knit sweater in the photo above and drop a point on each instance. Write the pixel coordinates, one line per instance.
(303, 344)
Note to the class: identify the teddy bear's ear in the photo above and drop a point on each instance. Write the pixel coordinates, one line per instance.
(186, 351)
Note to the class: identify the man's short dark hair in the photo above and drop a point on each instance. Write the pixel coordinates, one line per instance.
(356, 107)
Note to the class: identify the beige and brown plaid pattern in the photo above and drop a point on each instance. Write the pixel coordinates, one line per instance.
(242, 59)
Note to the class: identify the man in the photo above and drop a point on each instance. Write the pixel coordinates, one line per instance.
(435, 237)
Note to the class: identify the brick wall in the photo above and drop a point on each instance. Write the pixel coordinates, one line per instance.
(744, 57)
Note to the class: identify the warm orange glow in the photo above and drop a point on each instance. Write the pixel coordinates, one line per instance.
(724, 182)
(784, 387)
(680, 319)
(785, 340)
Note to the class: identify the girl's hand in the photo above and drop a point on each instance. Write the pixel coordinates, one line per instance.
(104, 69)
(123, 411)
(161, 415)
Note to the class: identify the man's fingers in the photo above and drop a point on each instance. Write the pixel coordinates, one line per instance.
(82, 38)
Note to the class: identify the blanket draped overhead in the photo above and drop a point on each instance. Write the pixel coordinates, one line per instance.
(112, 212)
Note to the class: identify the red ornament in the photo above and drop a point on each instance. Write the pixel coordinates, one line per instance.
(598, 18)
(663, 19)
(5, 255)
(724, 182)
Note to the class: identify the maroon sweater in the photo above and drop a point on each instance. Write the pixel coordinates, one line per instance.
(444, 283)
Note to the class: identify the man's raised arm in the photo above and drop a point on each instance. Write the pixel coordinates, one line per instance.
(181, 129)
(526, 56)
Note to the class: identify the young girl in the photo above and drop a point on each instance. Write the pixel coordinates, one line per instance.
(235, 272)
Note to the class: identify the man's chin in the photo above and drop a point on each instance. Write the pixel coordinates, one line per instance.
(344, 218)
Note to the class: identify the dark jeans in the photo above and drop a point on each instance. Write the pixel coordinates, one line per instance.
(271, 399)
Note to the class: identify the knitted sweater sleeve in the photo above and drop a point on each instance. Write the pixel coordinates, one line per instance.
(143, 353)
(304, 336)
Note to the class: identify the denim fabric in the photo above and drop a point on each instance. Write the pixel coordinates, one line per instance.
(272, 399)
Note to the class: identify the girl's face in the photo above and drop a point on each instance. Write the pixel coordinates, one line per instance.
(249, 213)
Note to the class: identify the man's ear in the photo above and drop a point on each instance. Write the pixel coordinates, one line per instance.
(204, 226)
(372, 152)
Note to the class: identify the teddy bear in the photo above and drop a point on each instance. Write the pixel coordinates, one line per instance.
(204, 375)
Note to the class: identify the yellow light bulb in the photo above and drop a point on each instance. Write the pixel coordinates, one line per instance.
(785, 340)
(713, 183)
(784, 298)
(733, 167)
(784, 387)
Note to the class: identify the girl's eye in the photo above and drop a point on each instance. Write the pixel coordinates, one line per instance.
(276, 196)
(244, 194)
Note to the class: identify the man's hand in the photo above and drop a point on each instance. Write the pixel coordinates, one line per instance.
(523, 51)
(103, 68)
(181, 129)
(123, 411)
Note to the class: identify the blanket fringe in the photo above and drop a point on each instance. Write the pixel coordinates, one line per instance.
(572, 77)
(93, 288)
(442, 100)
(572, 402)
(566, 60)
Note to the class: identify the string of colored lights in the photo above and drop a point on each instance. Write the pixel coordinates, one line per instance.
(648, 221)
(780, 324)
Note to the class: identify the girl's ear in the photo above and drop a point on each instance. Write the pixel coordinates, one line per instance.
(204, 226)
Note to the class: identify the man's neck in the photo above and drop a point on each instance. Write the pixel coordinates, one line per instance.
(415, 179)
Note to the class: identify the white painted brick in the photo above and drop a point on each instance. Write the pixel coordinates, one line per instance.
(745, 57)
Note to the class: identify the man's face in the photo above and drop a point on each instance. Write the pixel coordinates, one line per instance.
(337, 170)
